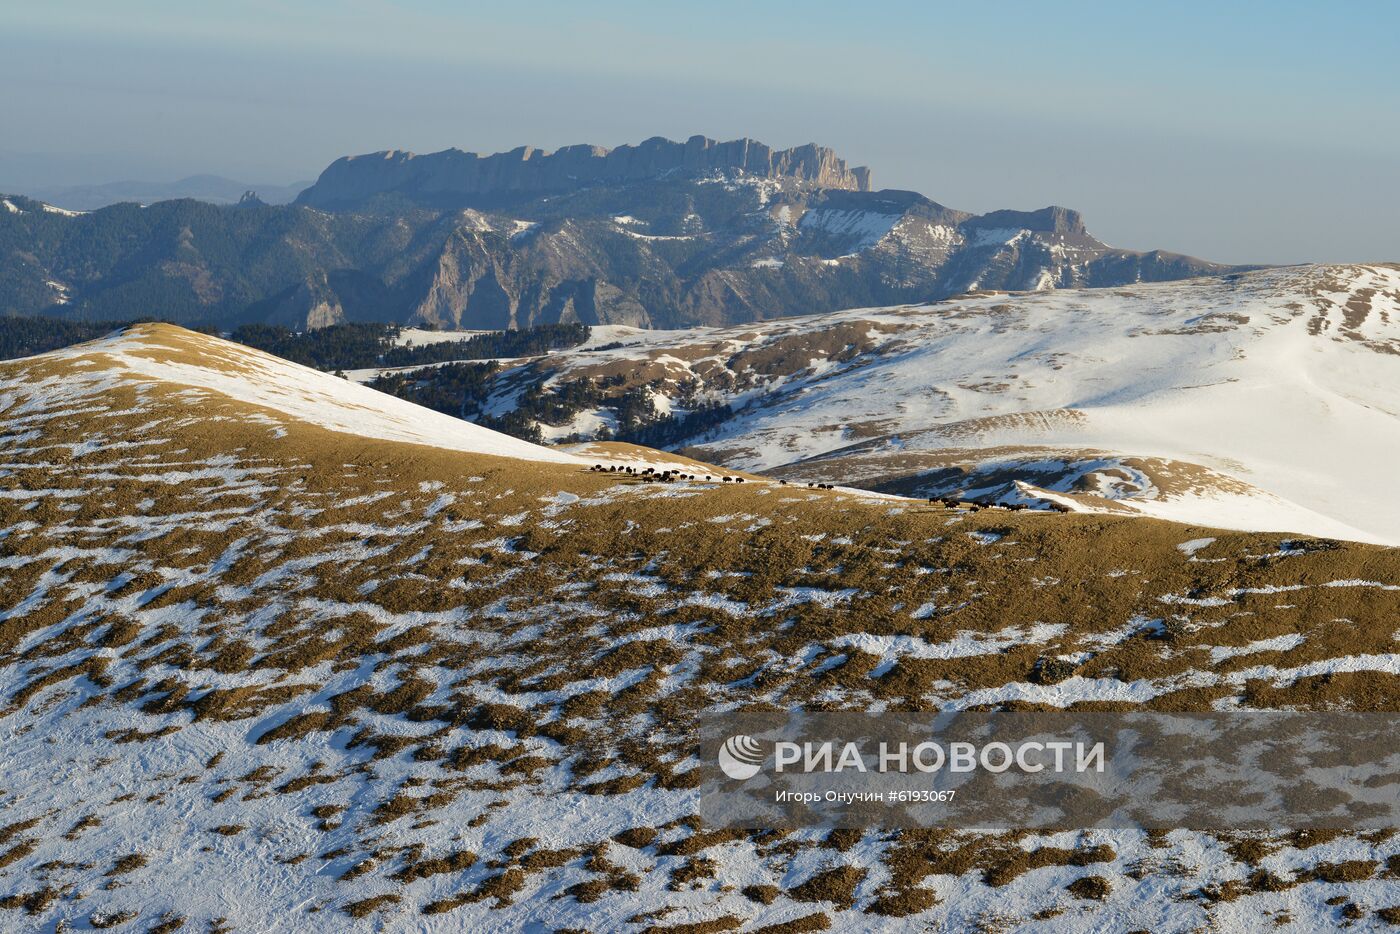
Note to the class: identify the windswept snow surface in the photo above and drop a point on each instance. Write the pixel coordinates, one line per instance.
(305, 394)
(1281, 383)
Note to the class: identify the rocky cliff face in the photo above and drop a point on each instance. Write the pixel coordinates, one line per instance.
(452, 175)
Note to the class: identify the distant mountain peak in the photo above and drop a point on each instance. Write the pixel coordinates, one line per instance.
(213, 189)
(525, 170)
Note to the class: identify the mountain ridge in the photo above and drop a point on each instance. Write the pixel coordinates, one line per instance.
(215, 189)
(661, 235)
(527, 169)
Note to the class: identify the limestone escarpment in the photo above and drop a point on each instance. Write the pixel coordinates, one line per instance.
(452, 172)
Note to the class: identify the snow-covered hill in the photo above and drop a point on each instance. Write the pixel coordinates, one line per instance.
(167, 354)
(1264, 400)
(280, 654)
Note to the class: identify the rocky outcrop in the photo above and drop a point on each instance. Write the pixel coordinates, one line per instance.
(1047, 220)
(452, 176)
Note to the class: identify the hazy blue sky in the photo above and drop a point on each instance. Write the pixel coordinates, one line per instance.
(1239, 131)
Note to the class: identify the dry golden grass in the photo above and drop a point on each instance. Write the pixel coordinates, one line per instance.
(491, 638)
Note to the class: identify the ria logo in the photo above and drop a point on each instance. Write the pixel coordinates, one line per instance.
(740, 757)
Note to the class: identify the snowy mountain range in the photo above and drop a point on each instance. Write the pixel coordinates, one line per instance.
(658, 235)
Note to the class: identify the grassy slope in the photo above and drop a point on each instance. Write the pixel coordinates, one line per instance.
(382, 681)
